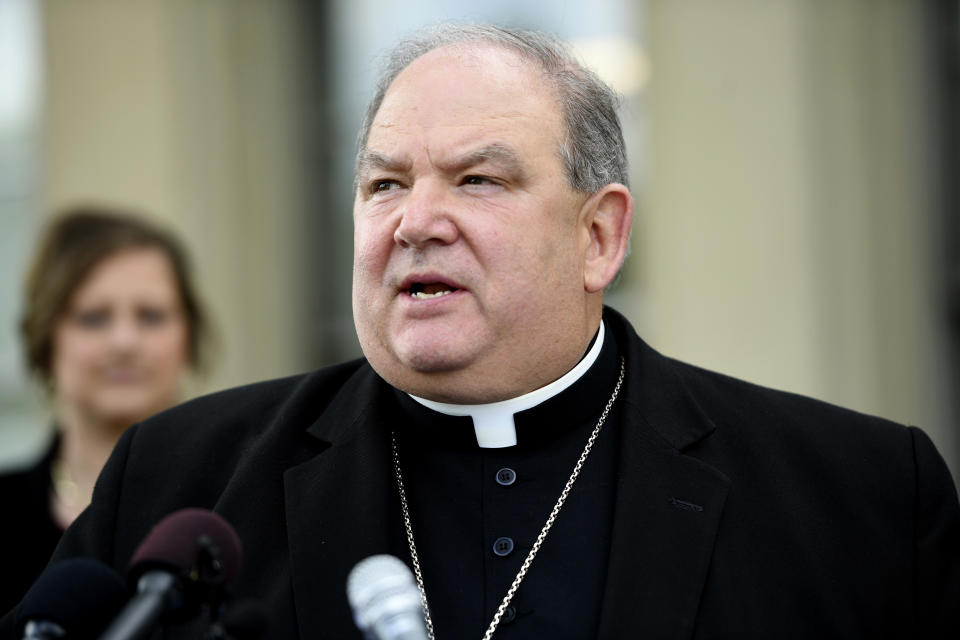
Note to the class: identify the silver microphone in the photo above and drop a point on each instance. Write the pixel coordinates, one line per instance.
(385, 600)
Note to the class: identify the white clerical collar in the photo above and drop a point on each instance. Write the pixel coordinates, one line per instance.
(493, 422)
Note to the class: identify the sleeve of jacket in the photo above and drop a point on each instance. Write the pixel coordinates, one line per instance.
(937, 543)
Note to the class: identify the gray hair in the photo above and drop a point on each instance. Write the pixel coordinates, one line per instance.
(592, 150)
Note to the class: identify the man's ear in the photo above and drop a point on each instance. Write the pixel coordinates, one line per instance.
(608, 215)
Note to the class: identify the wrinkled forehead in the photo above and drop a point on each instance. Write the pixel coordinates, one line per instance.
(463, 95)
(474, 76)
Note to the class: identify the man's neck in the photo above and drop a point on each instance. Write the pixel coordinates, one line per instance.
(493, 422)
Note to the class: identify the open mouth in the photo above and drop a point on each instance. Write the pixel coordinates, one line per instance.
(427, 290)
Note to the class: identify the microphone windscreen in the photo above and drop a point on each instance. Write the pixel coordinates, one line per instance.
(82, 595)
(173, 544)
(385, 599)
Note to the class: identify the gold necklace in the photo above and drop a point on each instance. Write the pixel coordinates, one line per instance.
(415, 560)
(64, 486)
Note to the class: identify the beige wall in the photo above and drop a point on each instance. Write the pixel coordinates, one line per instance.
(189, 110)
(787, 233)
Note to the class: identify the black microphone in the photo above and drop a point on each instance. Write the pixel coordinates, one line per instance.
(73, 599)
(385, 600)
(181, 566)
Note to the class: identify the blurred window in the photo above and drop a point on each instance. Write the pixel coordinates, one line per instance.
(20, 103)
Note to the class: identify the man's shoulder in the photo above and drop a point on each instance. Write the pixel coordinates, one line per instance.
(739, 401)
(735, 404)
(251, 433)
(291, 402)
(736, 425)
(761, 428)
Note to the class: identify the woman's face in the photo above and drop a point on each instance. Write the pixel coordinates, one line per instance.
(121, 348)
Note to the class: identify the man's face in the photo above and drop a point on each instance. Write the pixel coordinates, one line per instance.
(468, 246)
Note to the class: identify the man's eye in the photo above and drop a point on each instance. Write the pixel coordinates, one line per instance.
(378, 186)
(478, 180)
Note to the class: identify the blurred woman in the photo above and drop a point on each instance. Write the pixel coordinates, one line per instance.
(111, 326)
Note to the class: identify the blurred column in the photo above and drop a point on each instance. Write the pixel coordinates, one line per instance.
(191, 111)
(788, 234)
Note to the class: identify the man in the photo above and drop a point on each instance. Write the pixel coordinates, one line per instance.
(501, 412)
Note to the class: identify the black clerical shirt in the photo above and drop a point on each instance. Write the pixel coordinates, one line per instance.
(477, 512)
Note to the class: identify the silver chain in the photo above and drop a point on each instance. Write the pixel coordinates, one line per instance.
(536, 545)
(409, 527)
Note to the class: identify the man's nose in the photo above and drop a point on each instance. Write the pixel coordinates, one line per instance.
(426, 217)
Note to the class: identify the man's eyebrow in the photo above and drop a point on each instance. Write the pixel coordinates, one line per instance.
(496, 153)
(371, 160)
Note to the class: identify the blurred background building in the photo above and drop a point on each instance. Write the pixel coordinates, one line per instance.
(795, 166)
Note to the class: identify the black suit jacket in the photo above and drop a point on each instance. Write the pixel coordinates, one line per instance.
(741, 512)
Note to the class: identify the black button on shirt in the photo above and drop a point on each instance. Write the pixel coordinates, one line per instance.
(506, 476)
(503, 546)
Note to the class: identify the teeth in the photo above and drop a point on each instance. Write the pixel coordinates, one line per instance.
(420, 295)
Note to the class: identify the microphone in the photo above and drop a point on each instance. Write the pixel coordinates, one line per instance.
(385, 600)
(182, 564)
(74, 599)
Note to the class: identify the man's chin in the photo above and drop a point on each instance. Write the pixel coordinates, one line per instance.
(422, 372)
(434, 364)
(437, 348)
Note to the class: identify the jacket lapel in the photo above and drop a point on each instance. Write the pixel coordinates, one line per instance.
(668, 506)
(337, 505)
